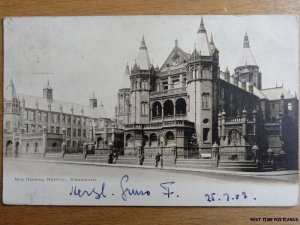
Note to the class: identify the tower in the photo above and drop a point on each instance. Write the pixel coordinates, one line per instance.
(123, 104)
(202, 71)
(247, 68)
(48, 92)
(93, 101)
(141, 79)
(11, 108)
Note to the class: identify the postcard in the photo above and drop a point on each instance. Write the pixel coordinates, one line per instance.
(151, 110)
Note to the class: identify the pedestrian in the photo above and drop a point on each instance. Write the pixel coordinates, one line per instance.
(115, 157)
(142, 158)
(110, 158)
(157, 159)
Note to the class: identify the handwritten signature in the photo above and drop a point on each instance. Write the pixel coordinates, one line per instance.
(126, 190)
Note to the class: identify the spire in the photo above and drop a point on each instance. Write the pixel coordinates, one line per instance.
(211, 39)
(93, 96)
(246, 41)
(143, 59)
(202, 43)
(201, 27)
(176, 42)
(143, 44)
(126, 79)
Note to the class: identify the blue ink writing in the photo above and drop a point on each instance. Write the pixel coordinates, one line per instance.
(85, 193)
(166, 187)
(130, 191)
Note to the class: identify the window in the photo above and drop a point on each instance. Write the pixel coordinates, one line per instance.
(32, 128)
(290, 106)
(84, 133)
(74, 120)
(52, 129)
(205, 101)
(78, 122)
(205, 134)
(52, 118)
(144, 109)
(26, 115)
(39, 116)
(84, 121)
(63, 118)
(26, 128)
(74, 132)
(69, 132)
(79, 132)
(57, 130)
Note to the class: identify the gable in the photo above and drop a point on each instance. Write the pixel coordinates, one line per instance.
(176, 59)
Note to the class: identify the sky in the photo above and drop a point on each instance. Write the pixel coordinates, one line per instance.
(82, 54)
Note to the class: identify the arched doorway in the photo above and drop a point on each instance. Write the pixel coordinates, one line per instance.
(27, 147)
(168, 108)
(8, 148)
(36, 147)
(17, 149)
(180, 106)
(156, 110)
(100, 142)
(170, 138)
(128, 142)
(153, 140)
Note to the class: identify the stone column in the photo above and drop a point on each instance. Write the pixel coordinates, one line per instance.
(244, 126)
(44, 145)
(215, 155)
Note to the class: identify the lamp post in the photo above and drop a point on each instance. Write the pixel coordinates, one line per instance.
(162, 141)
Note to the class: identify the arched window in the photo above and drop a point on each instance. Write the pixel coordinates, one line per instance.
(180, 106)
(74, 144)
(290, 106)
(205, 101)
(36, 147)
(156, 109)
(196, 74)
(168, 108)
(27, 147)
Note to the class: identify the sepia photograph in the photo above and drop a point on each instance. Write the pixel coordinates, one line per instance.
(151, 110)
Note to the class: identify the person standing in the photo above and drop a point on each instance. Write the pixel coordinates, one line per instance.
(157, 159)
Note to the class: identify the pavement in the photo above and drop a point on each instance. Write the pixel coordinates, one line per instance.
(284, 175)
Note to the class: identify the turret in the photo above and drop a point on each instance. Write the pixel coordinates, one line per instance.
(141, 78)
(202, 71)
(93, 101)
(247, 68)
(48, 92)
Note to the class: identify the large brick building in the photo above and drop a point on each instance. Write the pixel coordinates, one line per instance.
(188, 104)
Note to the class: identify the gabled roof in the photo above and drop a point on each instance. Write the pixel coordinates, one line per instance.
(42, 104)
(276, 92)
(175, 59)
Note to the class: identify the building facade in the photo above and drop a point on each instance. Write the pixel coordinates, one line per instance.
(40, 125)
(187, 105)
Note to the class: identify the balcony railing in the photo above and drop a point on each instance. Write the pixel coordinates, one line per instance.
(172, 91)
